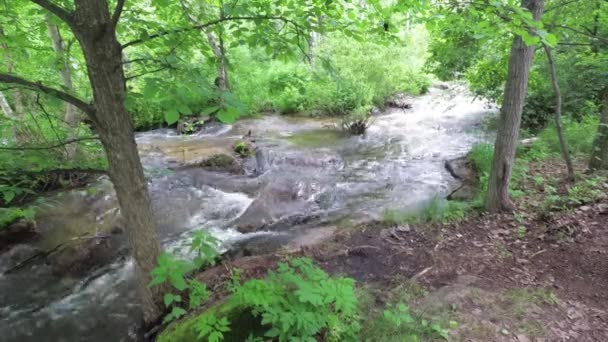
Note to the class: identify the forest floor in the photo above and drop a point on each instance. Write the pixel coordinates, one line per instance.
(536, 275)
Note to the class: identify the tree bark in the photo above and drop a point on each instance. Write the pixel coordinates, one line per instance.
(563, 143)
(95, 30)
(599, 155)
(65, 72)
(516, 88)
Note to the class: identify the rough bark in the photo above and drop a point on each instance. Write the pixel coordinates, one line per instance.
(563, 143)
(95, 30)
(71, 114)
(599, 155)
(516, 88)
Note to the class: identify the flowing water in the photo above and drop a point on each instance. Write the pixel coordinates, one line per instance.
(304, 174)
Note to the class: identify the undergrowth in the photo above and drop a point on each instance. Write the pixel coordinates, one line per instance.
(296, 302)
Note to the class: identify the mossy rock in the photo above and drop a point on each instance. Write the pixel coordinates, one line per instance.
(242, 324)
(220, 162)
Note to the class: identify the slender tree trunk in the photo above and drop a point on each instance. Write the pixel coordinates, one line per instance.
(6, 108)
(222, 66)
(599, 155)
(516, 88)
(563, 143)
(18, 112)
(217, 47)
(96, 34)
(71, 114)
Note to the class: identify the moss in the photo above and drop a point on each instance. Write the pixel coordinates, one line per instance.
(317, 138)
(218, 161)
(242, 323)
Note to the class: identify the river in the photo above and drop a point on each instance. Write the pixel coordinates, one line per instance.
(306, 174)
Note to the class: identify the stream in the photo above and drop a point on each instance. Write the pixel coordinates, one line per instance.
(305, 174)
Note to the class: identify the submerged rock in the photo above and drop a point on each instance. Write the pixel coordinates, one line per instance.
(80, 257)
(17, 232)
(16, 255)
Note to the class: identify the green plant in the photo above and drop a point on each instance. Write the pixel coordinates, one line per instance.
(436, 210)
(10, 215)
(398, 323)
(173, 271)
(300, 302)
(243, 149)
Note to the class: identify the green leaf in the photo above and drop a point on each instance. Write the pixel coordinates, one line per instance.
(210, 110)
(171, 116)
(228, 115)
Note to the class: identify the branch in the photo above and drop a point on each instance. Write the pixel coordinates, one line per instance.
(554, 7)
(208, 24)
(148, 72)
(60, 12)
(117, 12)
(38, 86)
(61, 144)
(601, 39)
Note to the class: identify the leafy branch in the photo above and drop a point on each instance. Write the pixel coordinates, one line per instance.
(208, 24)
(38, 86)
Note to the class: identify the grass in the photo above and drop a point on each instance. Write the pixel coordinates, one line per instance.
(435, 211)
(520, 300)
(386, 315)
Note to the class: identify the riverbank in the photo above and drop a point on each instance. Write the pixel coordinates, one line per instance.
(536, 275)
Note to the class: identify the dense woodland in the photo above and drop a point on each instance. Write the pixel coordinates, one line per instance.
(79, 78)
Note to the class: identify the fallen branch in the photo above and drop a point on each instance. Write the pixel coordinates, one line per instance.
(36, 148)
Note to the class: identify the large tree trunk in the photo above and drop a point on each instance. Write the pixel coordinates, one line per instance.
(599, 155)
(95, 32)
(516, 88)
(563, 143)
(65, 72)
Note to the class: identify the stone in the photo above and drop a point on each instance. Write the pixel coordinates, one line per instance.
(18, 232)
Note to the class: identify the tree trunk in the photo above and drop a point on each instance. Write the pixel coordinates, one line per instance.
(17, 113)
(563, 143)
(96, 34)
(6, 108)
(599, 155)
(65, 72)
(222, 67)
(218, 49)
(516, 88)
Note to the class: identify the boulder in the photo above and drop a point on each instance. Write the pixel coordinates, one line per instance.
(222, 163)
(462, 170)
(16, 255)
(399, 101)
(18, 232)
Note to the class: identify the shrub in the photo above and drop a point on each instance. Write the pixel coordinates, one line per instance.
(300, 301)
